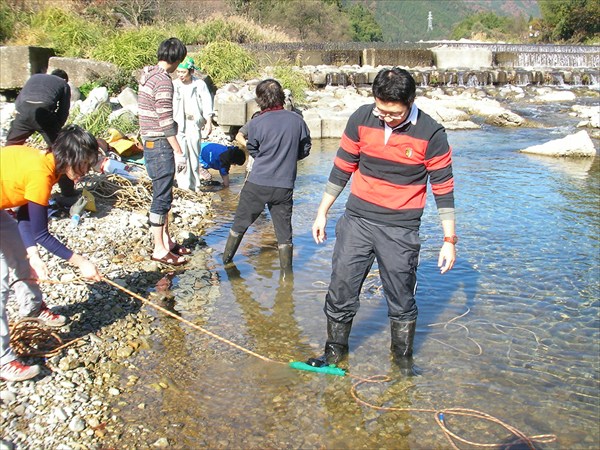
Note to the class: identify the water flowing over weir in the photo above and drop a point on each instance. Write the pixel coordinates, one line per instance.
(441, 63)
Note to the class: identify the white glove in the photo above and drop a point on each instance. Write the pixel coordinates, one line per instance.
(180, 163)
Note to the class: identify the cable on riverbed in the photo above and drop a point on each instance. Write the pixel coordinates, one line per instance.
(28, 339)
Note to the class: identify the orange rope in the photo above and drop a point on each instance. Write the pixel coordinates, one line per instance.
(439, 414)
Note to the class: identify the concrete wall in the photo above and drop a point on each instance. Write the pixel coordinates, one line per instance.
(18, 63)
(81, 70)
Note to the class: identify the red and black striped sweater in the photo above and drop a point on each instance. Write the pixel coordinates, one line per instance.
(390, 180)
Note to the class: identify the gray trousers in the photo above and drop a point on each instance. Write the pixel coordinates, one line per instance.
(13, 259)
(358, 243)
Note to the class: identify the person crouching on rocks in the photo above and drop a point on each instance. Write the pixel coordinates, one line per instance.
(26, 179)
(220, 157)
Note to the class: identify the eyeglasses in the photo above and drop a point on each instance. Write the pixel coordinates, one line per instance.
(381, 115)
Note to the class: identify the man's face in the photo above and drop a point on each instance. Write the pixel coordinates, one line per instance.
(184, 74)
(393, 113)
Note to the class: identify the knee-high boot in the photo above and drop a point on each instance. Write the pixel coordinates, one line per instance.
(336, 347)
(233, 242)
(286, 252)
(403, 336)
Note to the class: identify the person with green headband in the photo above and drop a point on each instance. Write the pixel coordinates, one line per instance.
(193, 111)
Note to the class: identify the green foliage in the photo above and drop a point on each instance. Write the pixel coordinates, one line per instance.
(67, 33)
(293, 80)
(406, 20)
(9, 18)
(364, 26)
(309, 20)
(131, 49)
(570, 20)
(226, 61)
(482, 24)
(88, 87)
(114, 83)
(97, 122)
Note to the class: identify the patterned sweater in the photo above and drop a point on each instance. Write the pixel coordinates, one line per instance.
(155, 104)
(390, 179)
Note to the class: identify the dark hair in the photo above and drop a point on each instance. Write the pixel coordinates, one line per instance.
(60, 73)
(269, 94)
(233, 155)
(76, 148)
(395, 85)
(171, 50)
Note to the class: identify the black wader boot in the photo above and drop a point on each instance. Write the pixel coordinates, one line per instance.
(286, 252)
(233, 242)
(336, 347)
(403, 336)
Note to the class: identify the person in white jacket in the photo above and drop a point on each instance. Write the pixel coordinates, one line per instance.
(193, 111)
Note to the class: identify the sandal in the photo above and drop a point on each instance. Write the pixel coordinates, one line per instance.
(180, 250)
(170, 259)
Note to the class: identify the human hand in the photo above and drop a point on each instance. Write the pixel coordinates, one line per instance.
(87, 268)
(207, 129)
(180, 162)
(318, 229)
(447, 257)
(39, 269)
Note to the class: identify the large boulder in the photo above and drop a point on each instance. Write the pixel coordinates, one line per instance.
(19, 62)
(578, 144)
(81, 70)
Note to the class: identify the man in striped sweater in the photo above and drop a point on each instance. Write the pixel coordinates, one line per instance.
(393, 149)
(162, 153)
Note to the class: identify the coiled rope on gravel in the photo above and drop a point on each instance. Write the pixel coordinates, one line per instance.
(127, 194)
(28, 335)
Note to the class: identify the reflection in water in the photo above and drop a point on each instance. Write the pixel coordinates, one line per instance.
(274, 330)
(512, 330)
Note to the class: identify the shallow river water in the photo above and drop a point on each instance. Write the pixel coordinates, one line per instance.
(512, 331)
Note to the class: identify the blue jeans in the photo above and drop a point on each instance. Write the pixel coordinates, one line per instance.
(160, 165)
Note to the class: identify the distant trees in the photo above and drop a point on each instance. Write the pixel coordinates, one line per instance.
(490, 26)
(364, 26)
(312, 20)
(569, 20)
(562, 21)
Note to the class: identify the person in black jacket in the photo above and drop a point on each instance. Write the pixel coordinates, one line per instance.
(43, 106)
(277, 140)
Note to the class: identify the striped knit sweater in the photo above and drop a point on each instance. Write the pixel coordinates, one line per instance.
(155, 104)
(390, 180)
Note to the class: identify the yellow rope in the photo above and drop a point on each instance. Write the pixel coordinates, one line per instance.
(439, 414)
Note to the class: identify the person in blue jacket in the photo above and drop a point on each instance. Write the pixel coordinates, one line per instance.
(219, 157)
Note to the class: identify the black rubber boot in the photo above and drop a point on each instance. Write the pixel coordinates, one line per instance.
(233, 242)
(286, 252)
(336, 347)
(403, 336)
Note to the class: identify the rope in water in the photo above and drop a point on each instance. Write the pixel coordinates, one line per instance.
(440, 415)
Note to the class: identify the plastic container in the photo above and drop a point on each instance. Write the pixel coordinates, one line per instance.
(75, 218)
(113, 166)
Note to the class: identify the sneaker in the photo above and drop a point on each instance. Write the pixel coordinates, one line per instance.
(50, 319)
(17, 371)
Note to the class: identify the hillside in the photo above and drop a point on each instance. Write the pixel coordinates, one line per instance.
(407, 20)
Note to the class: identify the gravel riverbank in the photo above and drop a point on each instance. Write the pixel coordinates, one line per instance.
(68, 405)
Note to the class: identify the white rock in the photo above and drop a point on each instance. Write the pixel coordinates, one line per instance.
(578, 144)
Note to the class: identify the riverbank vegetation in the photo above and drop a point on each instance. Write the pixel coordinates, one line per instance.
(127, 32)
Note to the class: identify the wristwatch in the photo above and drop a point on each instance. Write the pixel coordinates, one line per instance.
(452, 239)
